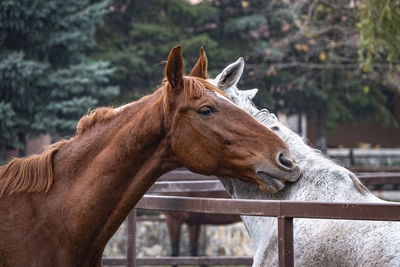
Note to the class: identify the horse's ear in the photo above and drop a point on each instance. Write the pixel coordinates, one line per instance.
(230, 75)
(200, 69)
(174, 68)
(251, 93)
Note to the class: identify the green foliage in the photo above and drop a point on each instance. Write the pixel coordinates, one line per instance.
(379, 31)
(245, 23)
(308, 60)
(78, 91)
(47, 81)
(138, 36)
(7, 122)
(20, 93)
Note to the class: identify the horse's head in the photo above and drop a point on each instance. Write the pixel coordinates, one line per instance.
(209, 134)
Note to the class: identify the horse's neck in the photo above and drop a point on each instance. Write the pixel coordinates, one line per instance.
(125, 160)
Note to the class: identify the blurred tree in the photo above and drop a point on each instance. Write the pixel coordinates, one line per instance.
(138, 35)
(308, 59)
(379, 31)
(244, 28)
(47, 82)
(305, 53)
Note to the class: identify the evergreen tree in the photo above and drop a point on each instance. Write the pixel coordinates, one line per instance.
(47, 81)
(137, 36)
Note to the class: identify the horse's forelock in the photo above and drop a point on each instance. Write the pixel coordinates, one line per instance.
(197, 87)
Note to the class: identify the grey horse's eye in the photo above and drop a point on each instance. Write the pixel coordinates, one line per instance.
(275, 128)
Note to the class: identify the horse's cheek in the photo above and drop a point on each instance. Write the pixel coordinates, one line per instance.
(189, 150)
(182, 145)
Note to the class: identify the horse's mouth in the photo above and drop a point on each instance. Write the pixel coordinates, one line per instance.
(275, 180)
(274, 185)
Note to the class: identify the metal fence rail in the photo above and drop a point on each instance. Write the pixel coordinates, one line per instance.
(219, 260)
(275, 208)
(368, 175)
(285, 211)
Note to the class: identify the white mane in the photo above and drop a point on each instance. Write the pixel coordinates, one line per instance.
(316, 242)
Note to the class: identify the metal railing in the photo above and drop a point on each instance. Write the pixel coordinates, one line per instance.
(284, 211)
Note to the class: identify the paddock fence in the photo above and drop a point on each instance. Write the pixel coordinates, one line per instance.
(179, 181)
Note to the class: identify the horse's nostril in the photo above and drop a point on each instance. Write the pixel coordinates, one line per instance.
(285, 161)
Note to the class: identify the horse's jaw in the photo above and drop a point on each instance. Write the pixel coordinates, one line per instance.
(273, 185)
(274, 181)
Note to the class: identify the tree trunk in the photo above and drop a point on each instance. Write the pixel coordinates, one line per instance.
(300, 124)
(320, 132)
(22, 141)
(3, 155)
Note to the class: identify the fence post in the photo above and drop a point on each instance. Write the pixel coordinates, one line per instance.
(285, 241)
(131, 246)
(351, 157)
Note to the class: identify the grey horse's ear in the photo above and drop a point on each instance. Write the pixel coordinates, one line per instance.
(230, 75)
(251, 93)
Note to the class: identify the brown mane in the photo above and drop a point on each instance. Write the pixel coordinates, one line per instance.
(35, 173)
(101, 114)
(29, 174)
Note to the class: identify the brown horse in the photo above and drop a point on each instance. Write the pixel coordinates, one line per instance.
(61, 207)
(194, 220)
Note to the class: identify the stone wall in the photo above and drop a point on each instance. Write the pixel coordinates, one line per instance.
(153, 240)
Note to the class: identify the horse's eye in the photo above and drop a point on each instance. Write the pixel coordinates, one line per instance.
(206, 110)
